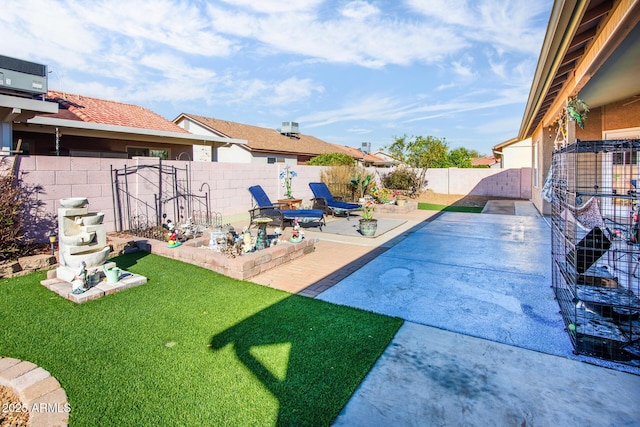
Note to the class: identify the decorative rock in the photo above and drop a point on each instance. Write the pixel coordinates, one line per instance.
(37, 262)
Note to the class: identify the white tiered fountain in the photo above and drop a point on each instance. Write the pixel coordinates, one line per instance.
(83, 274)
(83, 236)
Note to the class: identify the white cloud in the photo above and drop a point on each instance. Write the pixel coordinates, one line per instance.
(498, 68)
(293, 90)
(374, 42)
(275, 6)
(508, 24)
(172, 23)
(462, 70)
(445, 86)
(372, 108)
(359, 131)
(359, 10)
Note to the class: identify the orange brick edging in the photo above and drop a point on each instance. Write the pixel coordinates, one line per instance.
(39, 392)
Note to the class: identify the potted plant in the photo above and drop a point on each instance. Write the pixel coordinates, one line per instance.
(368, 224)
(401, 200)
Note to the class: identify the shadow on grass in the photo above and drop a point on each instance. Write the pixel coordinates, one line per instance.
(324, 352)
(126, 261)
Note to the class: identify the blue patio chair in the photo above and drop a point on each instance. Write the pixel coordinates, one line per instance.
(323, 199)
(277, 212)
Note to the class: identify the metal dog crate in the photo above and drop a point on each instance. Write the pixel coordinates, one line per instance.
(596, 246)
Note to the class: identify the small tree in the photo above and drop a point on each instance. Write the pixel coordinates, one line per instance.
(460, 158)
(420, 153)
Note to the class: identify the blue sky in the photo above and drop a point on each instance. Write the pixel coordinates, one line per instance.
(347, 71)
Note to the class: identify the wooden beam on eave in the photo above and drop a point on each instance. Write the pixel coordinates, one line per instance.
(564, 70)
(596, 13)
(572, 56)
(583, 37)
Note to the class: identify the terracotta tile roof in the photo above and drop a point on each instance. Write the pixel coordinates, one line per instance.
(357, 154)
(261, 139)
(94, 110)
(481, 161)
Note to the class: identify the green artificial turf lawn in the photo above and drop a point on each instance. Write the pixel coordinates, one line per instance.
(445, 208)
(192, 347)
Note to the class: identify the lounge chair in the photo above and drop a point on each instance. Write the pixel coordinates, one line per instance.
(278, 213)
(323, 199)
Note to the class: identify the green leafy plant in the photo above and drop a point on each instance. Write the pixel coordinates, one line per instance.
(367, 211)
(361, 182)
(576, 110)
(332, 159)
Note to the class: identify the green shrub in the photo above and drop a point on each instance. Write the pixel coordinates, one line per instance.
(401, 179)
(12, 205)
(332, 159)
(21, 219)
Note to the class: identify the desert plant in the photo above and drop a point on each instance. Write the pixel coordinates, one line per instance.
(361, 181)
(338, 179)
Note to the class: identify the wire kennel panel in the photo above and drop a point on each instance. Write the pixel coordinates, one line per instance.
(596, 246)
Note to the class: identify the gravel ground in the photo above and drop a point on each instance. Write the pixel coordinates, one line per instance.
(11, 413)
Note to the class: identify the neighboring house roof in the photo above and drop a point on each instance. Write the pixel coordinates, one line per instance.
(499, 147)
(84, 114)
(360, 156)
(95, 110)
(590, 47)
(264, 140)
(483, 161)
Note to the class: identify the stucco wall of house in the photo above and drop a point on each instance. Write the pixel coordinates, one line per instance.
(517, 155)
(226, 183)
(234, 154)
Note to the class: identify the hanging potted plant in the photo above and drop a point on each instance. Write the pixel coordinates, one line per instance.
(368, 224)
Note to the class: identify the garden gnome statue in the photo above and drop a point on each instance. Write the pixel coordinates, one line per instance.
(80, 280)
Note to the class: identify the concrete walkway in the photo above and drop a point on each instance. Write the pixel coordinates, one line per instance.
(438, 375)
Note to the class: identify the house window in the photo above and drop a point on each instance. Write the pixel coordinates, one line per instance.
(271, 160)
(625, 158)
(147, 152)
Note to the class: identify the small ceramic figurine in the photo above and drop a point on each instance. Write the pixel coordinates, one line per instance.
(173, 239)
(247, 245)
(80, 280)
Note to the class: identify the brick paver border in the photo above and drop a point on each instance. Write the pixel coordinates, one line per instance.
(39, 392)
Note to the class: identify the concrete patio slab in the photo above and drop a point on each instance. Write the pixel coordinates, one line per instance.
(430, 377)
